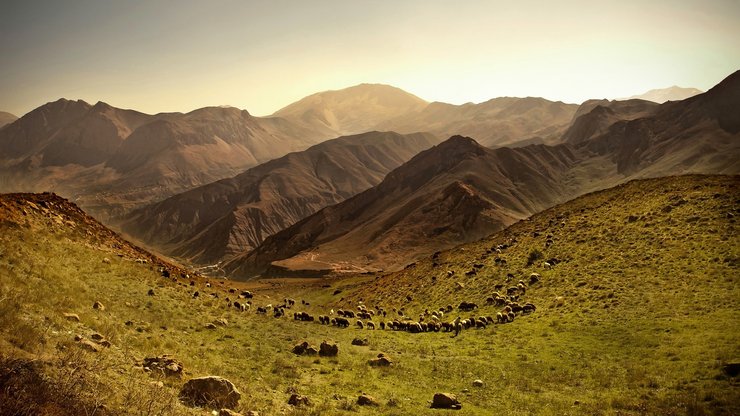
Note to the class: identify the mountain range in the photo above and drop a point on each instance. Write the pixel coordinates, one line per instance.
(230, 216)
(460, 191)
(274, 195)
(110, 160)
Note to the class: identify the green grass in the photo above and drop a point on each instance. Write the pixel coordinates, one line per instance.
(650, 315)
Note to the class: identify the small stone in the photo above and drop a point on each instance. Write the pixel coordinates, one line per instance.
(360, 342)
(72, 317)
(477, 383)
(732, 368)
(221, 322)
(97, 337)
(445, 401)
(211, 326)
(106, 260)
(298, 400)
(380, 362)
(367, 400)
(99, 306)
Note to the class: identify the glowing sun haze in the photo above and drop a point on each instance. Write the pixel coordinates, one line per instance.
(157, 56)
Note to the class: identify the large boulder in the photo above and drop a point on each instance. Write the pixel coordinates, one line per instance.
(328, 349)
(211, 391)
(445, 401)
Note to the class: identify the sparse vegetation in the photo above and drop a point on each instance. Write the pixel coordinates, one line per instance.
(649, 318)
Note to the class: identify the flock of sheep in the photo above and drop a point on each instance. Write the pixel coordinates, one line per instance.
(377, 318)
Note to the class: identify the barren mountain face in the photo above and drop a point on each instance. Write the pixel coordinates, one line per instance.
(213, 222)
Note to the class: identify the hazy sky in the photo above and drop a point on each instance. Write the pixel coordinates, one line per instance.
(262, 55)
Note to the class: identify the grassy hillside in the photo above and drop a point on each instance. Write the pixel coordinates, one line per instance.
(647, 273)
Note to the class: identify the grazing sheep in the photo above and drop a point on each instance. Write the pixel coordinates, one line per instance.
(534, 278)
(370, 325)
(528, 308)
(359, 324)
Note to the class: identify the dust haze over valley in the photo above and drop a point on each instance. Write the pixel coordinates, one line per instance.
(408, 208)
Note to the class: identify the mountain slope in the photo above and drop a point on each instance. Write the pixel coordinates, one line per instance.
(699, 134)
(6, 118)
(594, 117)
(351, 110)
(457, 191)
(416, 213)
(497, 122)
(230, 216)
(661, 95)
(111, 160)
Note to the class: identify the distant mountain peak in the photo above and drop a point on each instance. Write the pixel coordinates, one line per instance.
(661, 95)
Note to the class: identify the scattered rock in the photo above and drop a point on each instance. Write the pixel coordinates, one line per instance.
(78, 338)
(459, 285)
(732, 369)
(367, 400)
(328, 349)
(88, 345)
(445, 401)
(221, 322)
(215, 392)
(165, 364)
(105, 343)
(106, 260)
(97, 337)
(360, 342)
(381, 361)
(211, 326)
(99, 306)
(477, 383)
(298, 400)
(72, 317)
(252, 413)
(150, 292)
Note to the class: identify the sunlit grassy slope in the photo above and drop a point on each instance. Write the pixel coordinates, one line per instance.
(647, 273)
